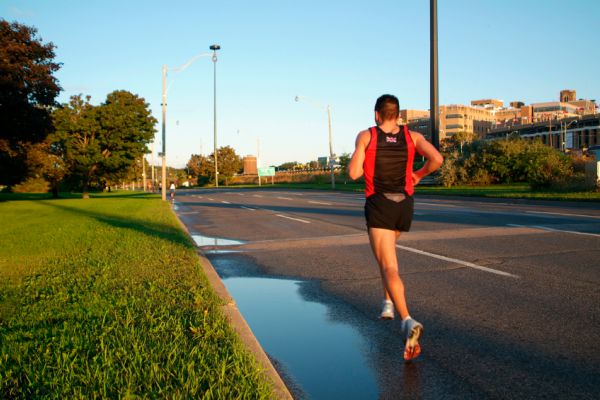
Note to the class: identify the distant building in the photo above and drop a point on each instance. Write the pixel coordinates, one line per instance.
(250, 166)
(486, 116)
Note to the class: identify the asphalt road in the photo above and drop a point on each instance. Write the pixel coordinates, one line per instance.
(508, 291)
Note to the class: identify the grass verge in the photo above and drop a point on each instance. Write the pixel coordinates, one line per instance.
(105, 298)
(516, 191)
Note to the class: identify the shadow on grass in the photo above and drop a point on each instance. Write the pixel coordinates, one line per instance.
(152, 229)
(72, 195)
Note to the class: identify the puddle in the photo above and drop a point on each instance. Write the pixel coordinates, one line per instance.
(326, 358)
(213, 241)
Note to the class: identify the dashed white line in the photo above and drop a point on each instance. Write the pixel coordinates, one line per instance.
(248, 208)
(319, 202)
(284, 198)
(225, 202)
(293, 219)
(456, 261)
(256, 195)
(208, 198)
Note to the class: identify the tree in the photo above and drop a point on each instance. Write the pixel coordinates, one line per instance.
(101, 143)
(201, 168)
(27, 91)
(228, 161)
(287, 165)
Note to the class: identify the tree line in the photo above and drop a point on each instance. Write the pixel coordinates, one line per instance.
(76, 145)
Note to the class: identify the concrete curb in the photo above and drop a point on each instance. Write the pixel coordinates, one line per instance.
(239, 324)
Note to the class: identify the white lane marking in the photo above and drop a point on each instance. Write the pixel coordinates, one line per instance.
(256, 195)
(225, 202)
(248, 208)
(319, 202)
(546, 228)
(284, 198)
(208, 198)
(294, 219)
(436, 204)
(461, 262)
(563, 214)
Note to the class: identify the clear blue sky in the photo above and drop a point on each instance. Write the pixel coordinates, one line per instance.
(343, 53)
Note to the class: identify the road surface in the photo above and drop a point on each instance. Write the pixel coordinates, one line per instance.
(508, 291)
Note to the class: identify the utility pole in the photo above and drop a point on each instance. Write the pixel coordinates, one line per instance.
(144, 172)
(258, 158)
(164, 148)
(152, 166)
(433, 99)
(331, 155)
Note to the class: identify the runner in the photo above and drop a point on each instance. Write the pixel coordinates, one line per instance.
(172, 189)
(385, 154)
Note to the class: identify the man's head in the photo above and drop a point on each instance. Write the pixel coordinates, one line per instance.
(387, 108)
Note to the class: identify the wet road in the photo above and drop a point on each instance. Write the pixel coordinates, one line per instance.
(508, 291)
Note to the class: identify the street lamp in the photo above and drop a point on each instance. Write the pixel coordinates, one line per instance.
(214, 48)
(163, 154)
(331, 155)
(564, 132)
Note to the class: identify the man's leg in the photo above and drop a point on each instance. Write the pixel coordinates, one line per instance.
(383, 243)
(385, 292)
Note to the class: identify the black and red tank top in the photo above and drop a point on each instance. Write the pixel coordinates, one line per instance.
(389, 162)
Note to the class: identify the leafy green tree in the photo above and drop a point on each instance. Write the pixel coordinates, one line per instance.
(228, 161)
(28, 89)
(101, 143)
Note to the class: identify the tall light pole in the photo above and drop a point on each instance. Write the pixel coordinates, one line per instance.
(331, 154)
(164, 116)
(164, 128)
(433, 85)
(214, 48)
(564, 133)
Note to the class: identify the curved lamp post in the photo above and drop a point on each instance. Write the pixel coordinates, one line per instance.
(331, 155)
(163, 154)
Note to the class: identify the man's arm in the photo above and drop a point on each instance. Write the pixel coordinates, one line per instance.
(355, 167)
(427, 150)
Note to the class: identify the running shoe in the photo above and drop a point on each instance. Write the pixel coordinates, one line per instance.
(387, 311)
(412, 331)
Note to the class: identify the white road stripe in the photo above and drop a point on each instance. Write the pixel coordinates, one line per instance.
(225, 202)
(436, 204)
(208, 198)
(461, 262)
(319, 202)
(256, 195)
(248, 208)
(563, 214)
(294, 219)
(546, 228)
(284, 198)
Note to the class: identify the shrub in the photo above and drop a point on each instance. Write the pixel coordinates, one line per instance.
(32, 185)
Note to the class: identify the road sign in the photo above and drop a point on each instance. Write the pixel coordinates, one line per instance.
(268, 171)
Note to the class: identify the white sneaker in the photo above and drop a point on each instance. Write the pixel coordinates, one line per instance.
(412, 331)
(387, 311)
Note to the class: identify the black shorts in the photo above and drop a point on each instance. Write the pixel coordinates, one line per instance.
(382, 212)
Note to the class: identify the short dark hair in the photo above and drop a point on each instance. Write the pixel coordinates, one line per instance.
(388, 107)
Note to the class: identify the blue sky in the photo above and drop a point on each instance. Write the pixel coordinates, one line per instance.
(341, 53)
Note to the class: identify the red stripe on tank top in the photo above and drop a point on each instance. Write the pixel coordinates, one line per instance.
(410, 152)
(369, 163)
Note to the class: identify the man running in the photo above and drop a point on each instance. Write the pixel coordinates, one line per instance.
(385, 154)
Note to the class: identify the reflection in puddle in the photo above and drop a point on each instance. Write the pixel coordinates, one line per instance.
(221, 251)
(213, 241)
(326, 358)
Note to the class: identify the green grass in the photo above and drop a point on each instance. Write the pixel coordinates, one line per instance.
(105, 298)
(515, 191)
